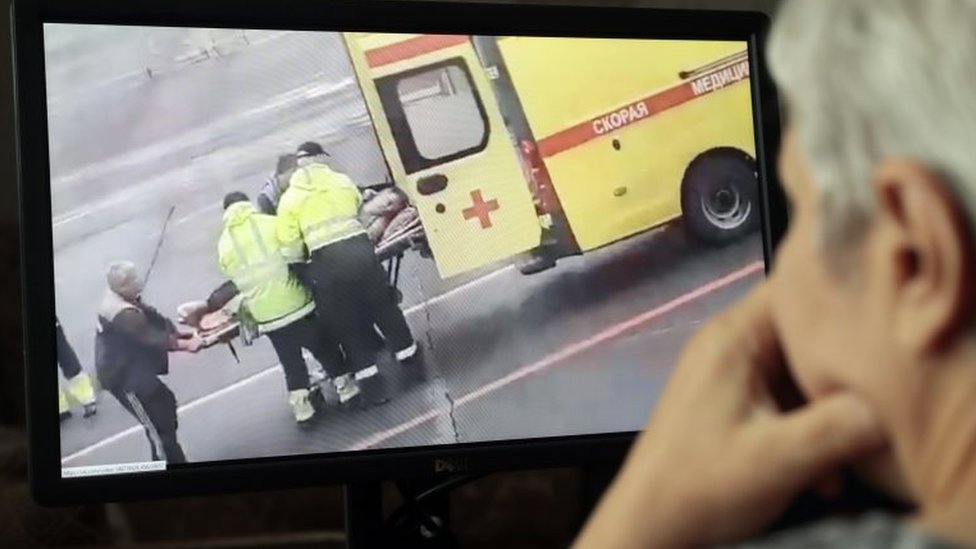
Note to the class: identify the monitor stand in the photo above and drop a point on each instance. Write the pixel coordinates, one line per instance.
(420, 523)
(423, 520)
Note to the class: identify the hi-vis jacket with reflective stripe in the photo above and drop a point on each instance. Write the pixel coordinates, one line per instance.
(250, 255)
(320, 207)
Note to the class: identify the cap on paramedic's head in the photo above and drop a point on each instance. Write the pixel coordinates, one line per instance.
(233, 198)
(310, 148)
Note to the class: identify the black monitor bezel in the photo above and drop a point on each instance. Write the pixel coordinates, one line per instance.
(386, 16)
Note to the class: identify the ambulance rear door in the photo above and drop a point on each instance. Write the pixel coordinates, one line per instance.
(444, 136)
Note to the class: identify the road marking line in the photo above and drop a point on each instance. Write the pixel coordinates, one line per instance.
(263, 373)
(197, 212)
(69, 217)
(454, 291)
(567, 352)
(186, 407)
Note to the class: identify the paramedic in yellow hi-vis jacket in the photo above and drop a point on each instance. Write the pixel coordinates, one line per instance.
(283, 309)
(320, 213)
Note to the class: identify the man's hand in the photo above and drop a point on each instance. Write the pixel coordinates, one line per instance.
(719, 460)
(190, 343)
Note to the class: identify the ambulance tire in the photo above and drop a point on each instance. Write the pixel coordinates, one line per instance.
(720, 197)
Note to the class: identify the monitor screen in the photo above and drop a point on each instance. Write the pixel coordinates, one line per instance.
(272, 243)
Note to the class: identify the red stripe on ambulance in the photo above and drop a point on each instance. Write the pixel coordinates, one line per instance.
(413, 47)
(644, 109)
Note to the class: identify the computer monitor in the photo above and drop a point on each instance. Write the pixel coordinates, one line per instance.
(309, 242)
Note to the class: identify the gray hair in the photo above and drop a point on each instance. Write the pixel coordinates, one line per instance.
(124, 279)
(869, 79)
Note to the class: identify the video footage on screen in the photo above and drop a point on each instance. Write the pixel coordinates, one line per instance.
(279, 243)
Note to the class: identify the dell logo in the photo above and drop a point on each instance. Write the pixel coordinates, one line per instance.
(450, 465)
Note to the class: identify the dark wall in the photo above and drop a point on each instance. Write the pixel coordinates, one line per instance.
(11, 375)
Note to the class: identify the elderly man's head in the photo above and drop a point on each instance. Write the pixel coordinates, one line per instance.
(873, 284)
(124, 279)
(287, 164)
(869, 79)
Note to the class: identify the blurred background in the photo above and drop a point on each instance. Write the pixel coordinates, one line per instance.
(537, 509)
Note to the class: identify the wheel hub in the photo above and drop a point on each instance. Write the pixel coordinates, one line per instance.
(725, 208)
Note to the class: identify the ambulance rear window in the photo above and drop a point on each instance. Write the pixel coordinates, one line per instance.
(436, 114)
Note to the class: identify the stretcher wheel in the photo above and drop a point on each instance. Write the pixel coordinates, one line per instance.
(424, 251)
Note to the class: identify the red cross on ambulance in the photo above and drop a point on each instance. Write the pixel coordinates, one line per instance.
(480, 209)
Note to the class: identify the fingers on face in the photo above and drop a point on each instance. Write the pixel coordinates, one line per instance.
(822, 436)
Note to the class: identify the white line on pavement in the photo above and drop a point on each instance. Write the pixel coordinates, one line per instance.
(71, 217)
(188, 406)
(463, 287)
(197, 212)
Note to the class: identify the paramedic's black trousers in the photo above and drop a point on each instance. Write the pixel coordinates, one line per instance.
(305, 333)
(67, 358)
(352, 294)
(156, 411)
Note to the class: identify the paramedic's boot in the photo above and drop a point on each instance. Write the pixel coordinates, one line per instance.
(375, 389)
(346, 387)
(316, 377)
(64, 409)
(301, 406)
(83, 391)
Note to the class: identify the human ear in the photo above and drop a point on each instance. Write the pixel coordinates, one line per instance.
(928, 243)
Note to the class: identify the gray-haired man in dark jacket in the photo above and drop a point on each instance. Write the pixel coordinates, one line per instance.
(132, 347)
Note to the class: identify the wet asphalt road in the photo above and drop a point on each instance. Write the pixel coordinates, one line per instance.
(505, 356)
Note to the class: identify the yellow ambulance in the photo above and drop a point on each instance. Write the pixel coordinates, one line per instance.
(528, 149)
